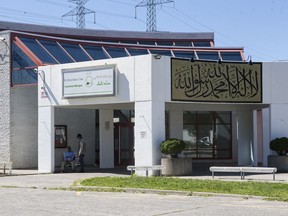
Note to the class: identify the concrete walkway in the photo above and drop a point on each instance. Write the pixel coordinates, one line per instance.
(31, 178)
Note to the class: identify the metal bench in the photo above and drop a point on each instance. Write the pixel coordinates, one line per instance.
(6, 166)
(243, 170)
(145, 168)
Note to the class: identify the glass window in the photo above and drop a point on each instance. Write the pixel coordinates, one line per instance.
(208, 55)
(207, 134)
(76, 52)
(41, 53)
(164, 43)
(202, 44)
(20, 59)
(161, 52)
(135, 52)
(183, 54)
(116, 52)
(56, 51)
(147, 42)
(183, 43)
(25, 76)
(231, 56)
(96, 52)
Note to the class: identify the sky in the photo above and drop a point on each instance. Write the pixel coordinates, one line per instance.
(260, 26)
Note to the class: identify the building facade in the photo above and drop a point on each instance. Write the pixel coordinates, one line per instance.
(125, 92)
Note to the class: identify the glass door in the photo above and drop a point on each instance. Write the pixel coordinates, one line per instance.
(123, 144)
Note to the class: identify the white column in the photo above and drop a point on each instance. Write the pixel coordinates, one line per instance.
(106, 132)
(46, 137)
(255, 140)
(266, 135)
(149, 132)
(176, 124)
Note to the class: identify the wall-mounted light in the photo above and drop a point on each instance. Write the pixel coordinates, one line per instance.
(157, 56)
(219, 61)
(2, 39)
(192, 59)
(249, 60)
(42, 76)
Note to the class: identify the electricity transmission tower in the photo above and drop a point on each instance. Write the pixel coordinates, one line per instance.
(151, 12)
(80, 11)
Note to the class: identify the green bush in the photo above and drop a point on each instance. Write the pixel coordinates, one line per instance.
(280, 145)
(172, 147)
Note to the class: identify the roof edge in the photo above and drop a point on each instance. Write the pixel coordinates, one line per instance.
(74, 32)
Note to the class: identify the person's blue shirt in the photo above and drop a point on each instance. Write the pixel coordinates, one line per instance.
(69, 156)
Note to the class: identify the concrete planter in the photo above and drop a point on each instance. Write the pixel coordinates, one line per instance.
(177, 166)
(280, 162)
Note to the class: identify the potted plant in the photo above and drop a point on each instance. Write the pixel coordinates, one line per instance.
(175, 166)
(280, 161)
(172, 147)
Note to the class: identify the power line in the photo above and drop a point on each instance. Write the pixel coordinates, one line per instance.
(80, 11)
(151, 12)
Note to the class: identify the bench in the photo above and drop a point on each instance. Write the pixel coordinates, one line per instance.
(243, 170)
(145, 168)
(6, 166)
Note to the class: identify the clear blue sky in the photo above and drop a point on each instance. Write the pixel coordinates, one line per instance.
(260, 26)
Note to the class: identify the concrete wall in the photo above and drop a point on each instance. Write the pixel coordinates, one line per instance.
(5, 97)
(24, 140)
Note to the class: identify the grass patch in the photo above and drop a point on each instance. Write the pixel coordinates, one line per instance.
(272, 191)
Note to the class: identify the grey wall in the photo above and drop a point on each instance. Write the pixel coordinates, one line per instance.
(24, 139)
(77, 121)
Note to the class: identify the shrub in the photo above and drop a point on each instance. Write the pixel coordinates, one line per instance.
(280, 145)
(172, 147)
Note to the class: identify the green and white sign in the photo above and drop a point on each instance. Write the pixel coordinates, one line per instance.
(97, 81)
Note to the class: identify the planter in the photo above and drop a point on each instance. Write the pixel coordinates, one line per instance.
(177, 166)
(280, 162)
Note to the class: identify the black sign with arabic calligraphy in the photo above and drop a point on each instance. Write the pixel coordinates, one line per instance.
(206, 81)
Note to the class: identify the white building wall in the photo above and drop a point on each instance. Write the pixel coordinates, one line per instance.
(106, 132)
(46, 137)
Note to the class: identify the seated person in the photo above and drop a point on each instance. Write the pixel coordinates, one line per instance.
(68, 158)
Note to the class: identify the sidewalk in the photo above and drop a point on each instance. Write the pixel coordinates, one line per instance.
(32, 179)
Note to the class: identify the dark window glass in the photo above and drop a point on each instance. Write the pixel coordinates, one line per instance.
(189, 117)
(134, 52)
(20, 59)
(183, 43)
(161, 52)
(20, 77)
(164, 43)
(147, 42)
(95, 52)
(116, 52)
(208, 55)
(76, 52)
(207, 134)
(41, 53)
(231, 56)
(56, 51)
(129, 42)
(202, 44)
(182, 54)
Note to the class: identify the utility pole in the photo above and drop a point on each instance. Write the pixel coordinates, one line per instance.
(80, 11)
(151, 12)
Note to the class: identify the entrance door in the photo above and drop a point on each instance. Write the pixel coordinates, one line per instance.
(123, 144)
